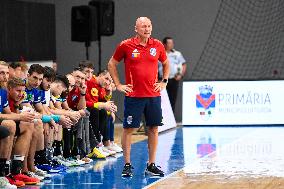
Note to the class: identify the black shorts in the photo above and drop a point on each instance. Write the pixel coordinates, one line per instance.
(4, 132)
(18, 130)
(134, 108)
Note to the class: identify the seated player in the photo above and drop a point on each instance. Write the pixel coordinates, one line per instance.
(21, 127)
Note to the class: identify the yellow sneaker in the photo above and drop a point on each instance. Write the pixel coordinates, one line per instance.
(96, 154)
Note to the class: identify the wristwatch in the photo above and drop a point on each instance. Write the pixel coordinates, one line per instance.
(165, 80)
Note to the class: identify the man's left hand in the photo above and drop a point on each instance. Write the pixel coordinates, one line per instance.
(160, 86)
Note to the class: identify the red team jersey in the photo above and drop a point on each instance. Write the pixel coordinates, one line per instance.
(12, 105)
(141, 65)
(95, 93)
(73, 98)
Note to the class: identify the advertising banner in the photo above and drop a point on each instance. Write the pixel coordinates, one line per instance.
(233, 102)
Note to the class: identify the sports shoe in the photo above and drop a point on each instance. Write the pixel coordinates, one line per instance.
(56, 165)
(103, 152)
(4, 183)
(154, 170)
(114, 147)
(59, 167)
(75, 162)
(42, 173)
(110, 152)
(96, 153)
(26, 179)
(15, 182)
(33, 175)
(127, 170)
(87, 160)
(52, 169)
(63, 161)
(80, 162)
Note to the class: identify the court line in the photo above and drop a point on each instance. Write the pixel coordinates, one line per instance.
(198, 159)
(162, 178)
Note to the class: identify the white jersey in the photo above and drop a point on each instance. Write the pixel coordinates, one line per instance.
(176, 61)
(47, 97)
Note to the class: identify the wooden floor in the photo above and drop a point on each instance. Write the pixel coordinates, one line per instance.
(182, 181)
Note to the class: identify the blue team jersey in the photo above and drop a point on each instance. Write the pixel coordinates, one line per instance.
(3, 100)
(42, 96)
(32, 96)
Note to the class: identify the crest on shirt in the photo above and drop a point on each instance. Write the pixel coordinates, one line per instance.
(135, 54)
(30, 97)
(153, 51)
(74, 97)
(94, 92)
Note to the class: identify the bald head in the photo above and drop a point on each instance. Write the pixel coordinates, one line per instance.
(143, 27)
(141, 20)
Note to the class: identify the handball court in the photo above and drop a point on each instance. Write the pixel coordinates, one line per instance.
(192, 157)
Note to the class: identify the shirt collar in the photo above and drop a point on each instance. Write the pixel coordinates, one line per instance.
(75, 89)
(137, 40)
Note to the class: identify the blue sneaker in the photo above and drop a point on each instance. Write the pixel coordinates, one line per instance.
(52, 169)
(60, 167)
(57, 164)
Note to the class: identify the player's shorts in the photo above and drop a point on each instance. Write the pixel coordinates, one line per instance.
(18, 130)
(134, 107)
(4, 132)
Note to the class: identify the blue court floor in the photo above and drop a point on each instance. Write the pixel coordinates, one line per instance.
(190, 148)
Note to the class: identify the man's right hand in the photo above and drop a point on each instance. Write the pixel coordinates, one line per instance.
(110, 106)
(27, 116)
(65, 122)
(125, 88)
(74, 116)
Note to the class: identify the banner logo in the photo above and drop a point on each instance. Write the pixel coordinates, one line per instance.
(205, 101)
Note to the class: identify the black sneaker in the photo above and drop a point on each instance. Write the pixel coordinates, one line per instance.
(127, 170)
(154, 170)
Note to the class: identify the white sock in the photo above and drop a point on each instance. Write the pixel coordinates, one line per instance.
(19, 157)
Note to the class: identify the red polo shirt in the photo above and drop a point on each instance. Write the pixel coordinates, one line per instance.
(141, 65)
(73, 98)
(95, 93)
